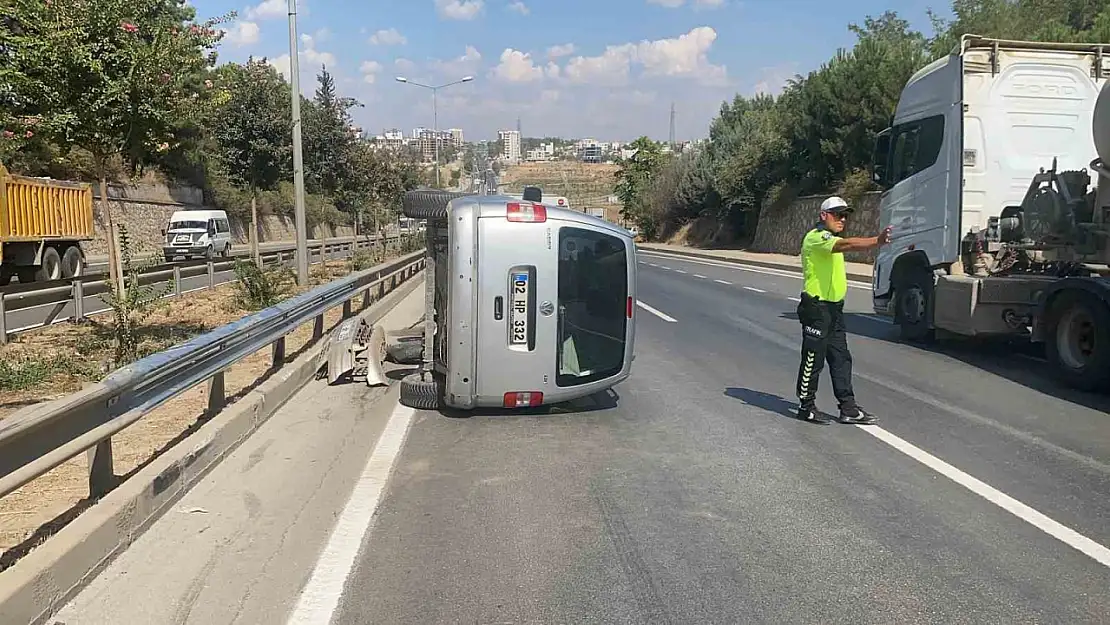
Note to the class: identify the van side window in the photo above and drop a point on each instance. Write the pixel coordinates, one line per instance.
(222, 226)
(915, 147)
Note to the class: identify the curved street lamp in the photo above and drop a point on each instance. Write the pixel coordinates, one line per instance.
(435, 112)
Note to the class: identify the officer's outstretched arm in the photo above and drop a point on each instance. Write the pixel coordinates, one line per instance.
(859, 244)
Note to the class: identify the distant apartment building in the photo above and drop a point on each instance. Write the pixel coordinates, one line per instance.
(425, 143)
(545, 152)
(456, 137)
(510, 145)
(390, 140)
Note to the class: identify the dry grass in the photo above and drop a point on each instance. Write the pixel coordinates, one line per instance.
(61, 359)
(583, 184)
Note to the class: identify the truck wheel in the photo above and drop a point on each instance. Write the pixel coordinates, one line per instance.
(428, 204)
(420, 391)
(1078, 340)
(73, 262)
(51, 267)
(913, 304)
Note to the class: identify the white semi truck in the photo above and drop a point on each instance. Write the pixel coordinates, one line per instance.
(997, 229)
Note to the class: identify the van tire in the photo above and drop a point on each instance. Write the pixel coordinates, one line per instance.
(420, 391)
(428, 204)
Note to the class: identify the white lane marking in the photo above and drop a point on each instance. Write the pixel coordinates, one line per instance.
(722, 282)
(661, 315)
(855, 284)
(794, 299)
(752, 288)
(698, 275)
(678, 271)
(652, 265)
(1065, 534)
(320, 597)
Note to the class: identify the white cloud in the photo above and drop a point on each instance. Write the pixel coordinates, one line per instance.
(670, 4)
(458, 9)
(388, 37)
(243, 34)
(517, 66)
(464, 65)
(268, 9)
(370, 71)
(403, 64)
(772, 80)
(519, 7)
(311, 60)
(682, 56)
(555, 52)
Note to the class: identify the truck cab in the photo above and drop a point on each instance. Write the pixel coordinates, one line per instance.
(985, 241)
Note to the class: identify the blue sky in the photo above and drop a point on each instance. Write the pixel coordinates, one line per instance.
(608, 69)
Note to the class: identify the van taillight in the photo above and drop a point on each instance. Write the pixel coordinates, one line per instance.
(628, 308)
(527, 213)
(522, 399)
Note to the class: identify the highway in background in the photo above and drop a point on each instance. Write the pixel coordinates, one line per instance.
(688, 495)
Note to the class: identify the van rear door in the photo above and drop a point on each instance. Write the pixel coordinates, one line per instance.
(517, 296)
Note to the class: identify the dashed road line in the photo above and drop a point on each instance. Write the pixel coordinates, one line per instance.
(662, 315)
(855, 284)
(794, 299)
(722, 282)
(698, 275)
(678, 271)
(752, 288)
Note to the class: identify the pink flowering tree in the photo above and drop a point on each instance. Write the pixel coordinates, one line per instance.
(114, 77)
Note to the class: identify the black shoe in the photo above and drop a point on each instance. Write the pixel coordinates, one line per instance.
(857, 416)
(812, 415)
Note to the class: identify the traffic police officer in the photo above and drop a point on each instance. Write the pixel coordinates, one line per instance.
(821, 313)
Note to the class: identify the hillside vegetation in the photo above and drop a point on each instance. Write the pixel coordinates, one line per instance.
(583, 184)
(119, 91)
(817, 136)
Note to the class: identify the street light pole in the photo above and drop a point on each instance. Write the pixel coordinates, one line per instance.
(435, 110)
(298, 156)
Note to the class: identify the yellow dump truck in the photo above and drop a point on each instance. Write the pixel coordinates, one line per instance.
(42, 224)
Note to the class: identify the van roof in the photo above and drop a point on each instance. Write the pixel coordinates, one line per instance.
(198, 214)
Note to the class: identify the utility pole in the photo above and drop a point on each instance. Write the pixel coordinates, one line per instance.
(298, 156)
(672, 128)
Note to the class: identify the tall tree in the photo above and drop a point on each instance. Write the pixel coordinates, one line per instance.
(252, 129)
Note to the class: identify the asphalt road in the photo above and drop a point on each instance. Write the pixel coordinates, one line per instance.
(689, 496)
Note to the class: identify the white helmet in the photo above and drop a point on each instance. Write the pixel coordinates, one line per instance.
(835, 204)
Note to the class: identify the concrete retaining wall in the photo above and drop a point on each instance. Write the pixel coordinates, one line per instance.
(145, 209)
(781, 228)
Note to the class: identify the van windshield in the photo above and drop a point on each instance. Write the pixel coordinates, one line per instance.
(593, 288)
(186, 225)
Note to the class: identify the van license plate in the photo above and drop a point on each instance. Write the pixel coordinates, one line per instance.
(518, 313)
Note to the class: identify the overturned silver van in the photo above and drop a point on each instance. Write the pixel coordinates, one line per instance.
(527, 304)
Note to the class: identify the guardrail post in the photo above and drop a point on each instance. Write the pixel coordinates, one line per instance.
(367, 298)
(177, 280)
(3, 322)
(346, 308)
(78, 301)
(102, 474)
(277, 353)
(318, 327)
(216, 397)
(211, 275)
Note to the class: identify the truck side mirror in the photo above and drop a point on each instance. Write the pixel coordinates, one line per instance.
(879, 159)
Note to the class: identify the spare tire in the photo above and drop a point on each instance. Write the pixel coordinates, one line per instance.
(428, 204)
(420, 391)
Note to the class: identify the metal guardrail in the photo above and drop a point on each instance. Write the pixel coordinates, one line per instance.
(43, 437)
(71, 294)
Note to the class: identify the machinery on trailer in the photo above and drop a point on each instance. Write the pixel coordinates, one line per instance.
(987, 185)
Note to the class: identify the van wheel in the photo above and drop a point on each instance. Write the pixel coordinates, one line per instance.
(51, 266)
(420, 391)
(73, 262)
(913, 304)
(428, 204)
(1077, 341)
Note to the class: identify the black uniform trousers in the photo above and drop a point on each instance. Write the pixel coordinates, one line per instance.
(824, 338)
